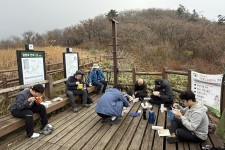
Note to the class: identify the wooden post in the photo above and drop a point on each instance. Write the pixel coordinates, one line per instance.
(189, 80)
(49, 86)
(134, 74)
(87, 59)
(164, 74)
(114, 37)
(5, 85)
(48, 67)
(222, 103)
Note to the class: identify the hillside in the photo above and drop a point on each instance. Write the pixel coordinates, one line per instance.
(150, 39)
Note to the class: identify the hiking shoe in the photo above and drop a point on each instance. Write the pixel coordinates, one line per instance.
(86, 105)
(105, 120)
(35, 135)
(171, 140)
(115, 121)
(75, 110)
(89, 101)
(48, 129)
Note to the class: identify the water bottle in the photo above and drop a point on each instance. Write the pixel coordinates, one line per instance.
(171, 115)
(144, 114)
(147, 113)
(85, 86)
(151, 118)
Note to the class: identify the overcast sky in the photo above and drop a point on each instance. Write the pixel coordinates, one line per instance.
(18, 16)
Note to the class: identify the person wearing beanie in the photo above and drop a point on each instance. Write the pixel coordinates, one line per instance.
(25, 105)
(72, 89)
(162, 93)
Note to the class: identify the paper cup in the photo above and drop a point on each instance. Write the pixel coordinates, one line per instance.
(135, 100)
(156, 93)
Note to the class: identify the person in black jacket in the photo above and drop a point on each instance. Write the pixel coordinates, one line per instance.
(162, 93)
(72, 89)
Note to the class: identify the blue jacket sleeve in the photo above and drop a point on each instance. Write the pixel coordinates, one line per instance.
(102, 74)
(125, 102)
(90, 77)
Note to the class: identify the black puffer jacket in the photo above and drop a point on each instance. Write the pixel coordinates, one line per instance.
(165, 90)
(71, 83)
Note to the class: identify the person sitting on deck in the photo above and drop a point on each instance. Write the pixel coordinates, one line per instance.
(193, 125)
(26, 104)
(97, 78)
(111, 104)
(72, 89)
(140, 89)
(162, 93)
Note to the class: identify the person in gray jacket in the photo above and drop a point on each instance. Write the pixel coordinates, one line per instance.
(193, 125)
(111, 104)
(26, 105)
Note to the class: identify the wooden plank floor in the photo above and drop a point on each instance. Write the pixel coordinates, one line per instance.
(84, 130)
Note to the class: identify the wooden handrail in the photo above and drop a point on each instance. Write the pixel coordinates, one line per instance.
(10, 89)
(177, 72)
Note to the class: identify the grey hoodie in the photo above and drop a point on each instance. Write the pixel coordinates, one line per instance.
(196, 120)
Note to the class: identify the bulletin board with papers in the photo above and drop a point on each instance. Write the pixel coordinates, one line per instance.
(71, 64)
(31, 66)
(207, 89)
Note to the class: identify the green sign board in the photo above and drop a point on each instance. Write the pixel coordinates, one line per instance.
(31, 66)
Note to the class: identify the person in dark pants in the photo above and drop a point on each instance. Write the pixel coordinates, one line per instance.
(162, 93)
(111, 104)
(97, 78)
(25, 105)
(140, 89)
(193, 125)
(72, 89)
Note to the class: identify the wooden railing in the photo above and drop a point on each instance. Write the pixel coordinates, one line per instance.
(164, 74)
(50, 82)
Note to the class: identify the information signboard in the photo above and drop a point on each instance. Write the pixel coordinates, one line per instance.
(71, 64)
(31, 66)
(207, 89)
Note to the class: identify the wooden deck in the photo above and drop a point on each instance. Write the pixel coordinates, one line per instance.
(84, 130)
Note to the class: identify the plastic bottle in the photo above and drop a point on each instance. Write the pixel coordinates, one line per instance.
(144, 114)
(171, 115)
(151, 118)
(85, 86)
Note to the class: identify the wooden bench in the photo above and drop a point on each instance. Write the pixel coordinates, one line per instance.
(8, 123)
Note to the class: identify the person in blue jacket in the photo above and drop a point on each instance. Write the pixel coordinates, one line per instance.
(111, 104)
(98, 79)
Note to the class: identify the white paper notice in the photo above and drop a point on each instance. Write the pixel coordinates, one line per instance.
(207, 89)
